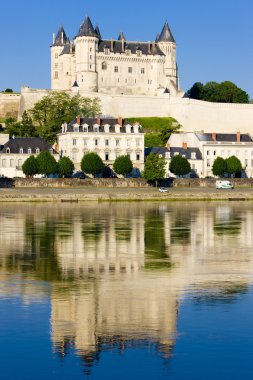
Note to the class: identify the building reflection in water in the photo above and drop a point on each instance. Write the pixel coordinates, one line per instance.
(116, 272)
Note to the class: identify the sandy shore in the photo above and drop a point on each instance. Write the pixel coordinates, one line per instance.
(86, 194)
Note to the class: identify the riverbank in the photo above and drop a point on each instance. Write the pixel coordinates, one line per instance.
(87, 194)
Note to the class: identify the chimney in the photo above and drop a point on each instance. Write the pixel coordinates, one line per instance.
(184, 146)
(214, 136)
(238, 137)
(78, 120)
(120, 121)
(168, 146)
(98, 120)
(112, 45)
(149, 50)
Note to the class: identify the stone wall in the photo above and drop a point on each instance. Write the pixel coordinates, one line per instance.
(9, 105)
(193, 115)
(75, 182)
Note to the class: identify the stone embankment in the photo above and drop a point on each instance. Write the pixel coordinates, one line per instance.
(75, 190)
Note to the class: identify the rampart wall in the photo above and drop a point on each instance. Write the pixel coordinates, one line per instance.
(193, 115)
(9, 105)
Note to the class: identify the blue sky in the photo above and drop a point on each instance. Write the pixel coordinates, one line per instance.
(214, 37)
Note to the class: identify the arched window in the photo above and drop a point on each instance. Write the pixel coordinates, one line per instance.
(8, 150)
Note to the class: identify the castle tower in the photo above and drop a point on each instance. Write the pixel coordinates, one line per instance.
(167, 44)
(56, 48)
(86, 43)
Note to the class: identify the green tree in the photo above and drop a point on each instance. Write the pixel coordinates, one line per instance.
(123, 165)
(8, 90)
(168, 130)
(66, 166)
(154, 168)
(46, 163)
(225, 92)
(58, 107)
(219, 167)
(234, 165)
(196, 91)
(179, 165)
(92, 164)
(23, 128)
(30, 166)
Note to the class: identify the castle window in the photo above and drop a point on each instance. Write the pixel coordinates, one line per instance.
(90, 56)
(56, 55)
(139, 53)
(90, 49)
(104, 66)
(106, 156)
(21, 150)
(107, 142)
(130, 70)
(29, 151)
(74, 142)
(90, 67)
(96, 142)
(138, 157)
(56, 75)
(116, 69)
(142, 70)
(117, 142)
(67, 73)
(106, 50)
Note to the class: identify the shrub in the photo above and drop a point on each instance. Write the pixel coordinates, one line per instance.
(92, 164)
(123, 165)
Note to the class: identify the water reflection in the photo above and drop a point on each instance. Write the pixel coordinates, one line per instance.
(115, 273)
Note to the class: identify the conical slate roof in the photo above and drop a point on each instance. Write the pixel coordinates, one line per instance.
(166, 35)
(87, 29)
(97, 30)
(121, 37)
(61, 37)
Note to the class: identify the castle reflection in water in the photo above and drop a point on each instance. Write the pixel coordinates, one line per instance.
(115, 273)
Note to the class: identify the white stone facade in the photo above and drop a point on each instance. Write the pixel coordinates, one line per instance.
(114, 66)
(213, 145)
(108, 138)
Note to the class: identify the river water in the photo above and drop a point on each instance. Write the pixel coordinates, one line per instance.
(126, 291)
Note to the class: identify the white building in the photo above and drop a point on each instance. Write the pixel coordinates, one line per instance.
(16, 150)
(109, 138)
(213, 145)
(119, 66)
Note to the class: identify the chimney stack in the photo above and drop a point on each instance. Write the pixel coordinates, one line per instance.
(168, 146)
(78, 120)
(214, 136)
(98, 120)
(238, 137)
(120, 121)
(184, 146)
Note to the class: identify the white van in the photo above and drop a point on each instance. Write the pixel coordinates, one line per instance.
(224, 185)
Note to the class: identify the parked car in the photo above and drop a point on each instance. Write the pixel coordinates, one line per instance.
(78, 174)
(163, 189)
(224, 185)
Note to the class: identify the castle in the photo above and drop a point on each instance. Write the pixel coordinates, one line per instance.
(91, 64)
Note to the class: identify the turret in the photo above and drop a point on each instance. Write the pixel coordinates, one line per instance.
(86, 43)
(167, 44)
(59, 41)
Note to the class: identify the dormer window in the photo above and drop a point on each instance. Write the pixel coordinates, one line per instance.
(76, 128)
(107, 128)
(37, 150)
(128, 51)
(8, 150)
(139, 52)
(29, 151)
(96, 128)
(21, 150)
(85, 128)
(193, 155)
(167, 155)
(128, 128)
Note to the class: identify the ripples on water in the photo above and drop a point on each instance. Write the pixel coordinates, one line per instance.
(130, 291)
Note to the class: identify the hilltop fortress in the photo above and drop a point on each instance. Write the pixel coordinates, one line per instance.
(132, 79)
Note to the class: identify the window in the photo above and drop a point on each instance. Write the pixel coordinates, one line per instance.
(96, 129)
(207, 152)
(142, 70)
(3, 163)
(116, 69)
(117, 142)
(208, 163)
(128, 142)
(138, 142)
(21, 150)
(74, 156)
(29, 151)
(56, 55)
(8, 150)
(246, 162)
(90, 67)
(193, 155)
(85, 142)
(138, 52)
(106, 142)
(20, 162)
(167, 155)
(90, 56)
(11, 163)
(106, 156)
(74, 142)
(130, 70)
(85, 129)
(96, 142)
(104, 66)
(138, 157)
(37, 150)
(214, 152)
(76, 128)
(90, 49)
(106, 50)
(56, 75)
